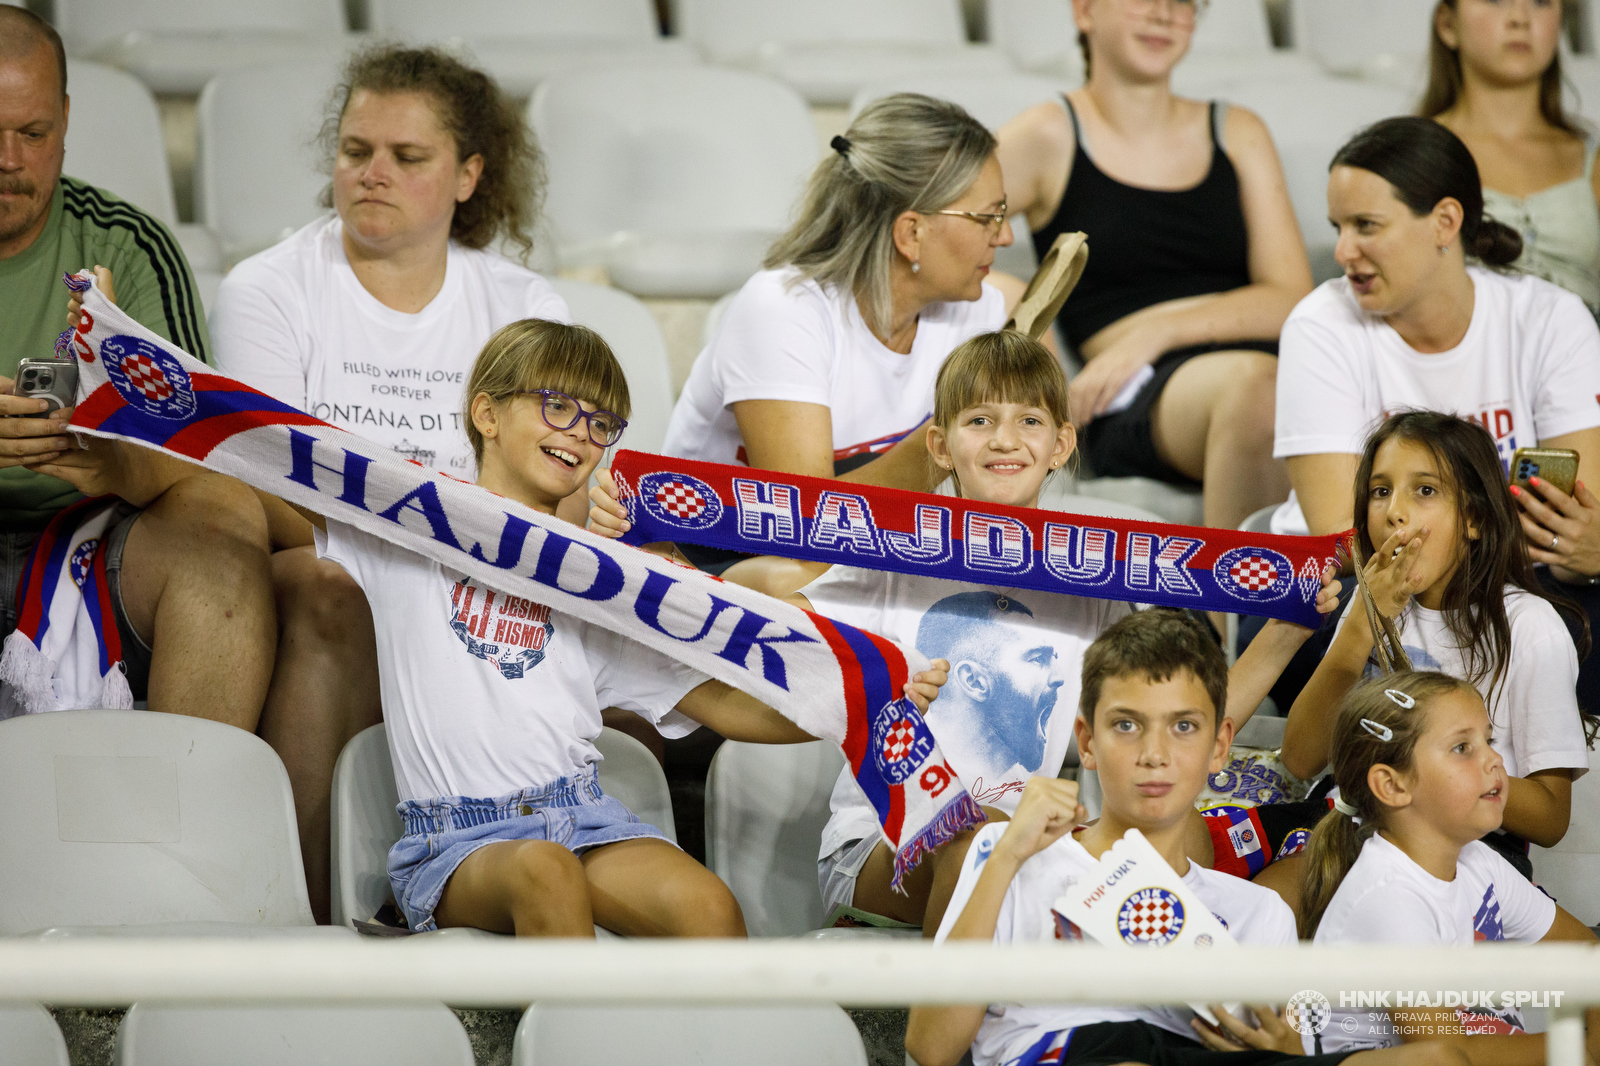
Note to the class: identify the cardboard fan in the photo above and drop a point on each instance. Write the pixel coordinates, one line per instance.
(1052, 283)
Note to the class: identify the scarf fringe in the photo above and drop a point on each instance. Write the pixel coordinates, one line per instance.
(960, 813)
(28, 676)
(115, 695)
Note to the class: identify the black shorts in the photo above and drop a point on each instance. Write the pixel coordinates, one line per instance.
(1108, 1043)
(1123, 444)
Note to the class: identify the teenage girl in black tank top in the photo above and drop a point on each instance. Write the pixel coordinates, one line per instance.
(1188, 281)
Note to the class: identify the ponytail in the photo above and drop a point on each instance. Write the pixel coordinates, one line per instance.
(1425, 163)
(1380, 722)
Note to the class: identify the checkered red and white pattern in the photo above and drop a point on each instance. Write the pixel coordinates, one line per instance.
(1151, 919)
(897, 742)
(680, 500)
(1254, 573)
(145, 376)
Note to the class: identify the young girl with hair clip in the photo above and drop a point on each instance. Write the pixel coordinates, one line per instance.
(999, 429)
(1399, 860)
(1447, 563)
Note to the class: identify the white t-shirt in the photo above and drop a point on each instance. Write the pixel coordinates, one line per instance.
(1252, 914)
(485, 693)
(295, 323)
(1016, 660)
(1534, 709)
(1386, 898)
(1528, 369)
(787, 338)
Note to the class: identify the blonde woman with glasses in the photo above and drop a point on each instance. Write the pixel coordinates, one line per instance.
(825, 360)
(1197, 259)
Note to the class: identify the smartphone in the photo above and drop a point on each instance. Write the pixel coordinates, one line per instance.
(1558, 466)
(52, 380)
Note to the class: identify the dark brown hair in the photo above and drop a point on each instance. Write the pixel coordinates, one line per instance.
(481, 120)
(1424, 163)
(1474, 603)
(1445, 82)
(16, 23)
(1337, 840)
(1006, 366)
(1154, 645)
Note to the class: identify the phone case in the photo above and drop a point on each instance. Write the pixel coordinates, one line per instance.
(1558, 466)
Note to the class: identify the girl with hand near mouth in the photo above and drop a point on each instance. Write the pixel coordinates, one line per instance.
(1400, 859)
(1197, 259)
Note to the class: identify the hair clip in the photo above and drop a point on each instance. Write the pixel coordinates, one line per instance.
(1382, 732)
(1404, 699)
(1344, 808)
(841, 145)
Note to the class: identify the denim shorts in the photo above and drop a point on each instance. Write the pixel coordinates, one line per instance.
(441, 833)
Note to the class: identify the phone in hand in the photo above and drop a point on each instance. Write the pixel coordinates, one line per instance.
(52, 380)
(1558, 466)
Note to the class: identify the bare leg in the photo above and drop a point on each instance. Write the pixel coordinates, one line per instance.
(650, 888)
(324, 691)
(1423, 1053)
(1214, 423)
(927, 889)
(197, 588)
(1285, 877)
(526, 887)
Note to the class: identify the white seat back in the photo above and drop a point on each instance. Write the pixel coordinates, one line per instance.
(138, 818)
(1238, 26)
(376, 1035)
(631, 331)
(257, 172)
(530, 19)
(993, 100)
(365, 824)
(730, 29)
(1570, 871)
(86, 23)
(559, 1035)
(114, 138)
(766, 805)
(1038, 35)
(704, 157)
(29, 1037)
(1351, 36)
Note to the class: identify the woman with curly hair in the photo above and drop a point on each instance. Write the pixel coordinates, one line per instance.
(370, 318)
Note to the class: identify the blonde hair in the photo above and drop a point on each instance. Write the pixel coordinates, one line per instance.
(537, 354)
(905, 152)
(1337, 840)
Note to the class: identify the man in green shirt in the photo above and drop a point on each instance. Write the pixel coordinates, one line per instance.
(188, 557)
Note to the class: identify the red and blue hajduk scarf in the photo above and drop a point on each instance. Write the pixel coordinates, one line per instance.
(66, 652)
(762, 513)
(832, 680)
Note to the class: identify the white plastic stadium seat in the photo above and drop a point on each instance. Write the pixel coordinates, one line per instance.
(1380, 40)
(1570, 871)
(1233, 40)
(674, 179)
(828, 49)
(29, 1037)
(176, 46)
(631, 331)
(562, 1035)
(766, 805)
(114, 141)
(1310, 119)
(130, 818)
(376, 1035)
(1038, 36)
(1126, 497)
(522, 42)
(365, 825)
(257, 174)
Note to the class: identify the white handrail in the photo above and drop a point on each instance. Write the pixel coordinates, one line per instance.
(512, 973)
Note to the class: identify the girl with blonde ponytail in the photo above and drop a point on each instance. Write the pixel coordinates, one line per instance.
(1399, 860)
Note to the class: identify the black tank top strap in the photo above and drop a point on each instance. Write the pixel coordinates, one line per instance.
(1077, 130)
(1219, 112)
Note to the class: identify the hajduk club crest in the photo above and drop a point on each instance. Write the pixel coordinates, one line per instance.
(683, 501)
(1150, 916)
(148, 378)
(900, 740)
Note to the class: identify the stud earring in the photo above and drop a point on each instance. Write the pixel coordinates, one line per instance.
(1443, 248)
(916, 267)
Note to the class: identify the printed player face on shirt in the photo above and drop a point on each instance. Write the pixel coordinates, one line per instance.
(508, 632)
(1004, 680)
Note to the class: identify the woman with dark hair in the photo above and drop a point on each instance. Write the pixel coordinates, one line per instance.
(1495, 82)
(370, 318)
(1412, 326)
(1196, 259)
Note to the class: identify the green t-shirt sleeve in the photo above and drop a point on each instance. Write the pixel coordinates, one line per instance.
(154, 285)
